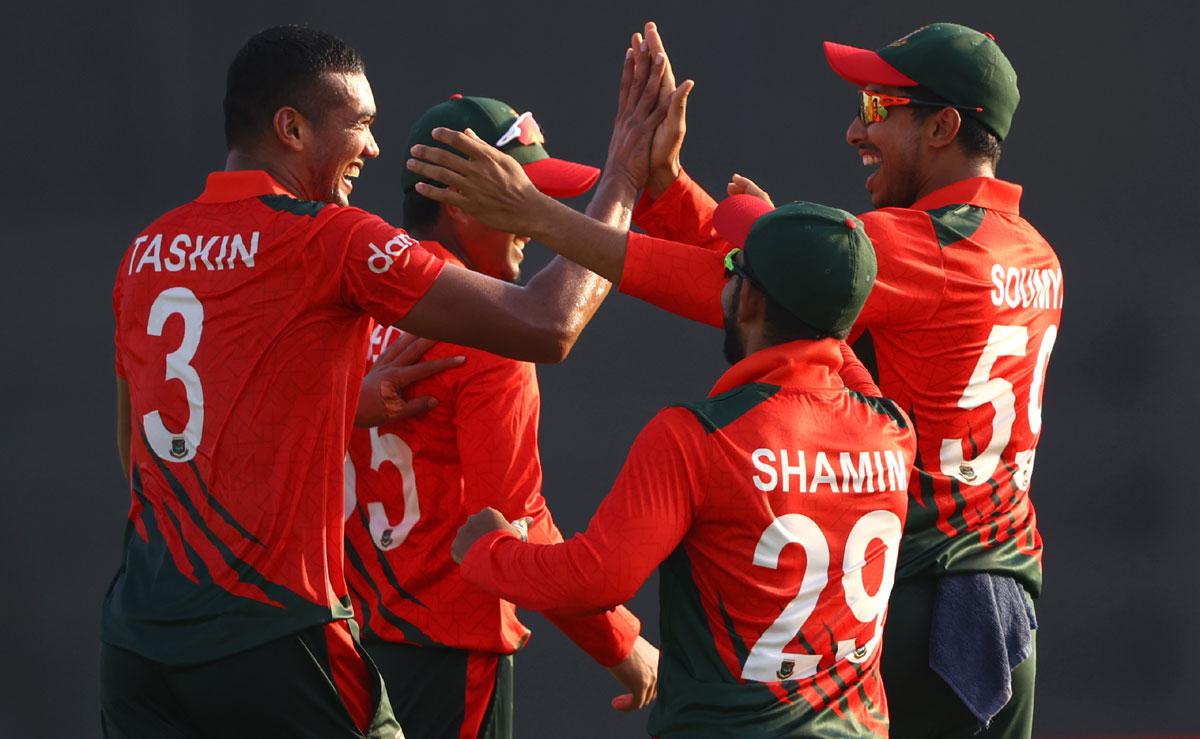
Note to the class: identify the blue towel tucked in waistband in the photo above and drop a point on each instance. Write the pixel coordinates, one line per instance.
(980, 633)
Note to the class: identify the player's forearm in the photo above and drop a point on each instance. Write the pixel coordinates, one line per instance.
(607, 637)
(573, 577)
(595, 241)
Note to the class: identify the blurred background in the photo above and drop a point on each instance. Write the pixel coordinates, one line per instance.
(113, 115)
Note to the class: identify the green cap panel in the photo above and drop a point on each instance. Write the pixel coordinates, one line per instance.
(490, 119)
(814, 260)
(962, 66)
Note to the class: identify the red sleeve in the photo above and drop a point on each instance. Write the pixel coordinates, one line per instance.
(496, 426)
(640, 522)
(383, 270)
(684, 280)
(911, 279)
(854, 375)
(684, 212)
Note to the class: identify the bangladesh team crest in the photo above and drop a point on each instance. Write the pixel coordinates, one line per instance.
(178, 447)
(786, 669)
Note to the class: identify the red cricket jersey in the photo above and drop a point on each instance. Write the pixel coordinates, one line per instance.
(963, 317)
(760, 637)
(241, 323)
(411, 485)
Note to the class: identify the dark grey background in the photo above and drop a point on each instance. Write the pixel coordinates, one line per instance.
(112, 115)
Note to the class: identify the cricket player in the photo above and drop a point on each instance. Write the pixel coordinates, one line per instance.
(445, 647)
(241, 331)
(774, 507)
(963, 320)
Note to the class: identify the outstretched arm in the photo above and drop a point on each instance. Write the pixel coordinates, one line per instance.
(541, 321)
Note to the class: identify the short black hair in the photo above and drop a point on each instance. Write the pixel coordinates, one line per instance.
(419, 212)
(781, 325)
(281, 66)
(976, 140)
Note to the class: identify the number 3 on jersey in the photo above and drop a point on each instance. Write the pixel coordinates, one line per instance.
(767, 662)
(170, 446)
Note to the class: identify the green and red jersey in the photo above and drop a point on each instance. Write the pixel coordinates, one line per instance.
(241, 327)
(412, 484)
(759, 637)
(963, 317)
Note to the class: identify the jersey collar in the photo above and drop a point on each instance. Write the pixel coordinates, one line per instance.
(240, 184)
(986, 192)
(811, 365)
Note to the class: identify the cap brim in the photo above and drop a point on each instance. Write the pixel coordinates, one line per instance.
(559, 178)
(736, 215)
(864, 67)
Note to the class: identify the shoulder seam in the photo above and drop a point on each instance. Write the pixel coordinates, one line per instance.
(881, 405)
(719, 411)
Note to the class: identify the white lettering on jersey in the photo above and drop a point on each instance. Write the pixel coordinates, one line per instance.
(186, 251)
(870, 471)
(1026, 287)
(381, 260)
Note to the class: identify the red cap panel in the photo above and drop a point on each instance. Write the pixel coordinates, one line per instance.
(559, 178)
(864, 67)
(736, 215)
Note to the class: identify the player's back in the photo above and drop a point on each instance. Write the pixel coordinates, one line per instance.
(415, 481)
(773, 605)
(966, 356)
(241, 328)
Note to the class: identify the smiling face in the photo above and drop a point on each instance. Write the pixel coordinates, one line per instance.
(893, 145)
(494, 253)
(342, 139)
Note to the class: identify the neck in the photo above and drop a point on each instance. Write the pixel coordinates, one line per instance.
(442, 232)
(279, 171)
(956, 170)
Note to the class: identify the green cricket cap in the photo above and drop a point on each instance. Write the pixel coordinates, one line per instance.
(958, 64)
(516, 134)
(815, 261)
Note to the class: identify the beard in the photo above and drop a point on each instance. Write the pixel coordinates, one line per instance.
(733, 348)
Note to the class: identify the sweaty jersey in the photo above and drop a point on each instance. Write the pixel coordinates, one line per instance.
(963, 316)
(241, 328)
(775, 509)
(412, 484)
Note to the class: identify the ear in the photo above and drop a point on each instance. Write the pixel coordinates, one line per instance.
(942, 128)
(291, 128)
(455, 213)
(752, 305)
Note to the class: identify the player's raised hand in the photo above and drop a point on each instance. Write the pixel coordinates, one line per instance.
(668, 137)
(482, 180)
(381, 400)
(478, 525)
(639, 673)
(638, 114)
(739, 185)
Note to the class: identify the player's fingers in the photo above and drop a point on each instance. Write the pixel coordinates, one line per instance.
(623, 702)
(389, 354)
(648, 99)
(626, 82)
(436, 172)
(442, 194)
(413, 408)
(655, 45)
(414, 349)
(421, 370)
(442, 158)
(468, 143)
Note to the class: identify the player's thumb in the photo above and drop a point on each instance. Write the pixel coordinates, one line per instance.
(623, 702)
